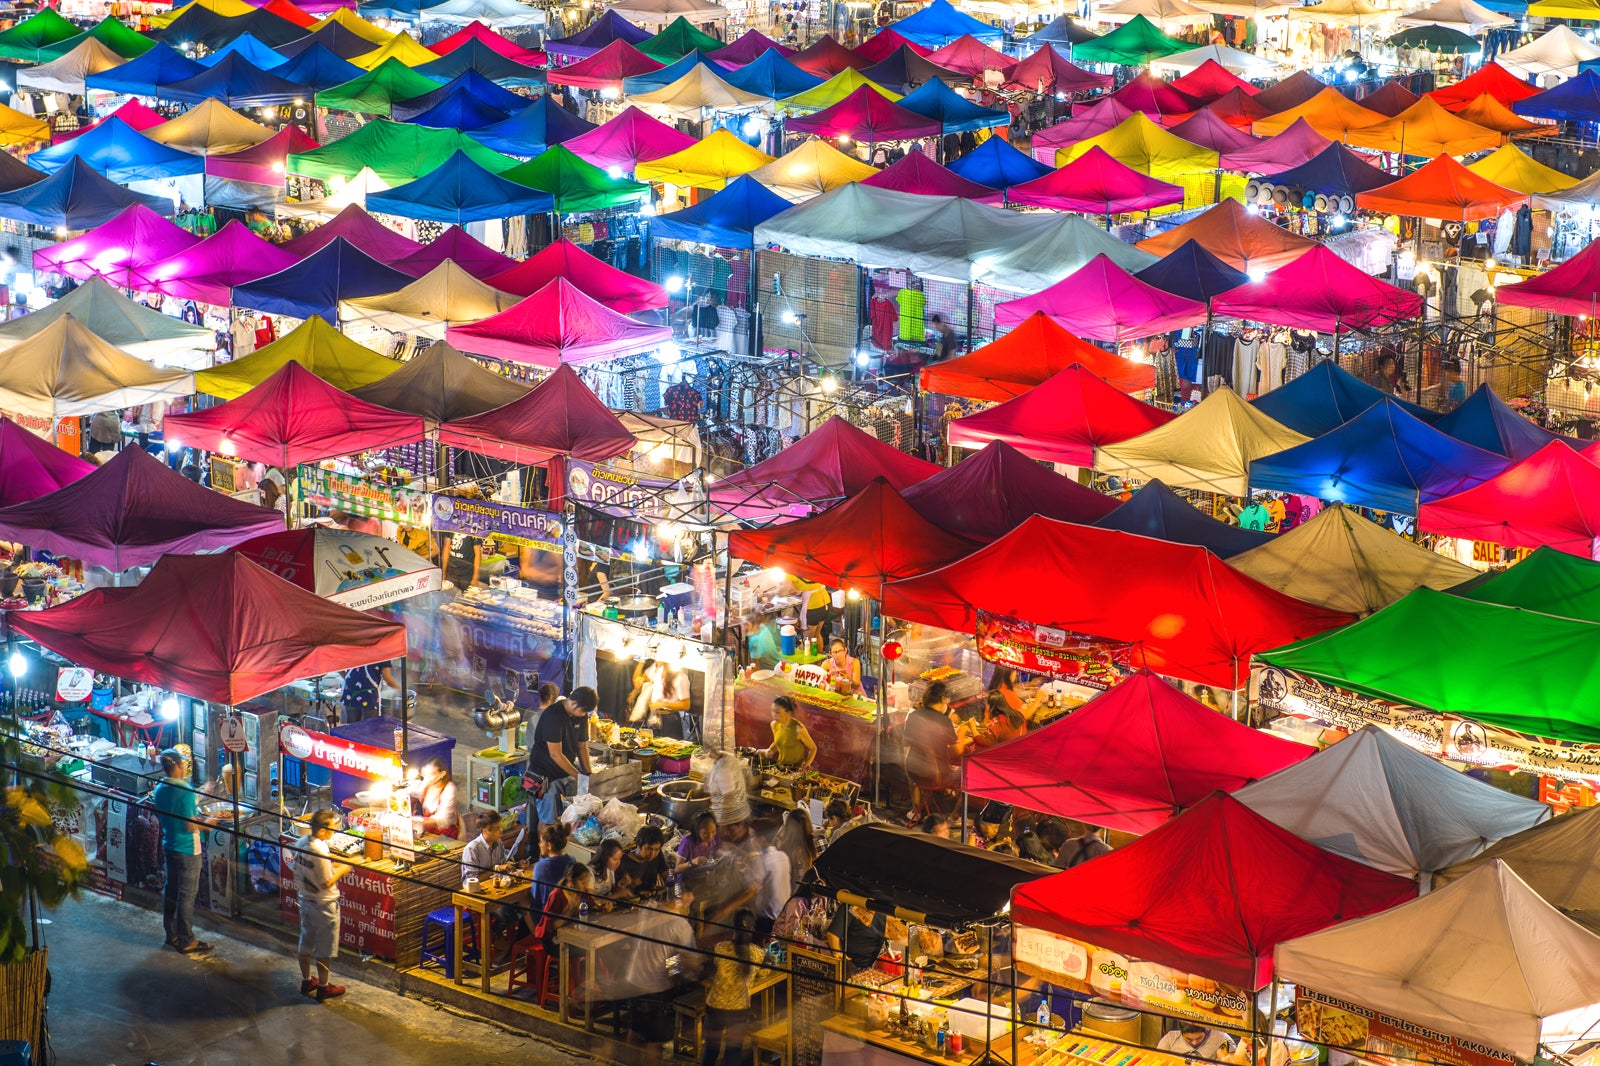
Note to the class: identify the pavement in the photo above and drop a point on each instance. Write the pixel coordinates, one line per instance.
(119, 998)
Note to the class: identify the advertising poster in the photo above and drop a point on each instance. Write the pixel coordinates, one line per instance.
(1050, 652)
(523, 526)
(619, 493)
(1381, 1038)
(357, 496)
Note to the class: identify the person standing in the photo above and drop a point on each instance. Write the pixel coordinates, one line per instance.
(728, 994)
(362, 688)
(559, 751)
(178, 809)
(316, 877)
(1080, 849)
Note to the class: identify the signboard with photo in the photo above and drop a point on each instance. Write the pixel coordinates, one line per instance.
(1381, 1038)
(618, 492)
(358, 496)
(523, 526)
(1051, 652)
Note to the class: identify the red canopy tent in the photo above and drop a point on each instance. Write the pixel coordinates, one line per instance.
(919, 174)
(1319, 291)
(827, 57)
(1490, 78)
(1211, 81)
(1103, 302)
(1186, 612)
(1570, 288)
(1242, 240)
(867, 115)
(557, 324)
(880, 46)
(834, 461)
(606, 69)
(361, 230)
(293, 417)
(558, 417)
(461, 248)
(1155, 98)
(131, 512)
(1130, 759)
(213, 627)
(1550, 498)
(996, 489)
(1095, 184)
(968, 55)
(1295, 145)
(290, 12)
(1211, 892)
(1036, 350)
(1442, 188)
(1048, 71)
(595, 278)
(750, 46)
(1210, 130)
(31, 466)
(1238, 109)
(1062, 420)
(873, 537)
(477, 31)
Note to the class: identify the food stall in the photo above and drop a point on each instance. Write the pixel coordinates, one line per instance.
(844, 726)
(611, 655)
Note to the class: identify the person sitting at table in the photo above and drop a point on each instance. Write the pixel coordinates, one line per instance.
(607, 860)
(1001, 722)
(859, 935)
(1193, 1040)
(792, 747)
(797, 840)
(701, 844)
(843, 670)
(441, 812)
(553, 864)
(1005, 681)
(644, 869)
(564, 902)
(484, 854)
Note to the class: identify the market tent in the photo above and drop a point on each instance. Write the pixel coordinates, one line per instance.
(334, 38)
(831, 92)
(970, 56)
(485, 60)
(814, 168)
(595, 278)
(726, 219)
(1193, 273)
(68, 74)
(873, 537)
(1289, 92)
(237, 82)
(265, 163)
(882, 45)
(1095, 183)
(198, 28)
(1130, 759)
(1491, 78)
(1209, 130)
(353, 22)
(1569, 288)
(1490, 113)
(939, 23)
(212, 128)
(246, 47)
(1062, 420)
(1295, 145)
(1155, 98)
(1060, 32)
(1101, 301)
(1325, 398)
(1330, 113)
(1048, 71)
(439, 384)
(905, 69)
(1099, 117)
(709, 164)
(533, 129)
(1211, 447)
(64, 371)
(609, 27)
(15, 174)
(772, 75)
(318, 560)
(997, 164)
(1426, 129)
(18, 129)
(677, 39)
(377, 91)
(606, 68)
(1486, 421)
(865, 115)
(1147, 148)
(622, 142)
(215, 627)
(29, 41)
(114, 318)
(209, 270)
(1344, 562)
(161, 65)
(1209, 71)
(315, 345)
(1319, 291)
(76, 197)
(396, 152)
(995, 489)
(1037, 349)
(456, 244)
(1156, 511)
(315, 286)
(699, 90)
(403, 47)
(1484, 959)
(458, 110)
(1548, 499)
(1173, 14)
(445, 296)
(557, 417)
(507, 14)
(31, 467)
(917, 173)
(575, 184)
(747, 49)
(1554, 55)
(460, 191)
(118, 250)
(955, 113)
(1204, 893)
(557, 324)
(1547, 580)
(1239, 110)
(120, 152)
(1391, 98)
(1442, 189)
(1384, 458)
(1335, 171)
(832, 462)
(1467, 16)
(134, 113)
(470, 83)
(1558, 859)
(1134, 43)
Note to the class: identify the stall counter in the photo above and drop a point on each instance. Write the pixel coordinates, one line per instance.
(844, 728)
(847, 1038)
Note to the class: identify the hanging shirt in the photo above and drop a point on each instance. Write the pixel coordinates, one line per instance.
(913, 306)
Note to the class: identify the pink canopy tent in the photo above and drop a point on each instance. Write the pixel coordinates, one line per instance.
(834, 461)
(31, 466)
(595, 278)
(557, 417)
(1091, 122)
(747, 49)
(1550, 498)
(1571, 288)
(131, 512)
(996, 489)
(1295, 145)
(1238, 109)
(1212, 81)
(1095, 184)
(1061, 421)
(1210, 130)
(1155, 98)
(968, 55)
(1048, 71)
(134, 113)
(1130, 759)
(1101, 301)
(1319, 291)
(477, 31)
(294, 417)
(606, 69)
(826, 57)
(118, 251)
(264, 163)
(627, 140)
(461, 248)
(882, 45)
(917, 173)
(361, 230)
(867, 115)
(209, 270)
(557, 324)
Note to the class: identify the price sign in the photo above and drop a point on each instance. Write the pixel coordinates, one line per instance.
(232, 734)
(74, 684)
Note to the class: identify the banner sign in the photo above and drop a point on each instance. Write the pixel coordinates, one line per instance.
(619, 493)
(1383, 1038)
(357, 496)
(1145, 986)
(336, 753)
(1036, 649)
(523, 526)
(1444, 736)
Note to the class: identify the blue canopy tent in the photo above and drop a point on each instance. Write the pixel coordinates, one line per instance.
(317, 69)
(1061, 33)
(336, 37)
(76, 197)
(1574, 100)
(395, 10)
(726, 219)
(316, 284)
(1156, 511)
(121, 153)
(533, 129)
(954, 112)
(460, 191)
(1384, 458)
(1325, 398)
(1334, 171)
(461, 110)
(660, 79)
(479, 57)
(595, 36)
(146, 76)
(771, 75)
(1192, 272)
(940, 23)
(248, 47)
(469, 82)
(237, 82)
(997, 164)
(1486, 421)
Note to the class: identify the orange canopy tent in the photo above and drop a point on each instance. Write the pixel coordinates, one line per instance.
(1330, 113)
(1235, 236)
(1426, 129)
(1490, 113)
(1490, 78)
(1037, 350)
(1442, 189)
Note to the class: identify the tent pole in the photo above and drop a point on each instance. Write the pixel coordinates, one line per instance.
(236, 763)
(405, 708)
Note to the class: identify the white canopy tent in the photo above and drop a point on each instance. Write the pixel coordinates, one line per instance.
(1468, 16)
(443, 297)
(1164, 13)
(654, 14)
(1559, 859)
(499, 14)
(66, 74)
(698, 91)
(65, 371)
(1551, 58)
(124, 323)
(1230, 58)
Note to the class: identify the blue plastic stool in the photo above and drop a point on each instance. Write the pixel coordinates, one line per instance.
(443, 922)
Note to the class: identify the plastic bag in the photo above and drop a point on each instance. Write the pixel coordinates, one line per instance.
(622, 817)
(580, 810)
(589, 833)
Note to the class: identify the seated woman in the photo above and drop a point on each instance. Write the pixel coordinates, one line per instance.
(1006, 682)
(575, 889)
(1001, 722)
(441, 813)
(607, 860)
(700, 845)
(843, 670)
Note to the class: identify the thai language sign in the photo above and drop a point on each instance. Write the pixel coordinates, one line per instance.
(486, 518)
(337, 753)
(357, 496)
(1383, 1038)
(618, 492)
(1036, 649)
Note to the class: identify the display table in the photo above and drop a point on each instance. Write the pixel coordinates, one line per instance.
(626, 953)
(843, 727)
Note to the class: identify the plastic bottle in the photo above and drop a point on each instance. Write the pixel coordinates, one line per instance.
(954, 1044)
(583, 912)
(1041, 1018)
(661, 615)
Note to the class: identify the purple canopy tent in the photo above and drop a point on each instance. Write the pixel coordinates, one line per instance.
(120, 250)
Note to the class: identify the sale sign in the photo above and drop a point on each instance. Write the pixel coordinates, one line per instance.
(337, 753)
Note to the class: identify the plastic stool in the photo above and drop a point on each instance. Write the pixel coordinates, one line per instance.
(443, 921)
(529, 965)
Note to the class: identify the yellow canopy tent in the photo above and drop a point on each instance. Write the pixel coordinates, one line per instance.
(1330, 113)
(356, 25)
(698, 91)
(1512, 168)
(1138, 143)
(831, 92)
(1588, 10)
(1341, 13)
(226, 8)
(210, 128)
(811, 170)
(443, 297)
(1490, 113)
(401, 46)
(17, 128)
(315, 345)
(706, 165)
(1425, 129)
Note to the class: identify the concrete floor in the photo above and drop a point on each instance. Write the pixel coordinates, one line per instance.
(121, 999)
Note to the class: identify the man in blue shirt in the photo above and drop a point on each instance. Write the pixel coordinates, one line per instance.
(178, 807)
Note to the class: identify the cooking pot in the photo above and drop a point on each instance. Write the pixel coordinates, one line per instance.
(683, 800)
(647, 760)
(618, 754)
(638, 607)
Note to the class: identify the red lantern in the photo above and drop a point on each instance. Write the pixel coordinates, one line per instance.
(893, 649)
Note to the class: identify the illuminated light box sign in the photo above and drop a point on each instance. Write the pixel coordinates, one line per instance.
(523, 526)
(1385, 1039)
(336, 753)
(1044, 650)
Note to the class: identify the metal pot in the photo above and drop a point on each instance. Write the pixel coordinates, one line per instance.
(618, 754)
(683, 800)
(638, 607)
(647, 760)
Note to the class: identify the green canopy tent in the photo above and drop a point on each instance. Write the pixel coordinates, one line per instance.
(109, 31)
(1134, 43)
(677, 40)
(576, 185)
(29, 41)
(397, 152)
(1441, 40)
(1548, 581)
(377, 91)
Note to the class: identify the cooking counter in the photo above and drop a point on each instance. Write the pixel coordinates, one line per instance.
(843, 727)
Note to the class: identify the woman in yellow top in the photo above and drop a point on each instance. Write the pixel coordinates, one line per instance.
(733, 968)
(792, 746)
(818, 603)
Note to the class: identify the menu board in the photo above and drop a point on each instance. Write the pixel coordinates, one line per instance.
(1383, 1038)
(815, 984)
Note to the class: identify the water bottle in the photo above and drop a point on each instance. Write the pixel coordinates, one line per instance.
(583, 912)
(1041, 1018)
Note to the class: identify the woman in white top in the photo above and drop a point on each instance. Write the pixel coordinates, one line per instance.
(441, 814)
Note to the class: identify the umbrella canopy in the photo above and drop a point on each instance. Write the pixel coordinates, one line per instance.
(773, 75)
(812, 169)
(396, 152)
(865, 115)
(1544, 500)
(1325, 398)
(315, 286)
(1570, 288)
(445, 296)
(313, 344)
(69, 74)
(1444, 189)
(485, 60)
(709, 164)
(212, 128)
(605, 69)
(1330, 113)
(1156, 511)
(1335, 171)
(440, 385)
(1147, 148)
(622, 142)
(905, 69)
(145, 75)
(65, 371)
(1488, 422)
(676, 40)
(237, 82)
(1130, 759)
(1029, 355)
(954, 113)
(1102, 301)
(120, 152)
(919, 174)
(609, 27)
(1134, 43)
(376, 92)
(1345, 562)
(575, 184)
(114, 318)
(319, 560)
(560, 416)
(749, 47)
(997, 164)
(1211, 447)
(1491, 78)
(727, 219)
(208, 270)
(119, 250)
(1243, 240)
(1095, 183)
(600, 281)
(459, 246)
(31, 467)
(30, 40)
(1048, 71)
(555, 325)
(1062, 420)
(75, 197)
(1295, 145)
(1440, 40)
(460, 191)
(1319, 291)
(534, 128)
(997, 488)
(1193, 273)
(1426, 129)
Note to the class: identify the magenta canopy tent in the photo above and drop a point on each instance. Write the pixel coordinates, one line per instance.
(747, 49)
(1155, 97)
(556, 325)
(361, 230)
(996, 489)
(1095, 184)
(1091, 122)
(917, 173)
(118, 250)
(209, 270)
(261, 164)
(131, 512)
(1210, 130)
(866, 115)
(627, 140)
(1295, 145)
(1047, 71)
(1572, 288)
(1319, 291)
(968, 55)
(558, 417)
(595, 278)
(1062, 420)
(293, 417)
(31, 466)
(461, 248)
(1103, 302)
